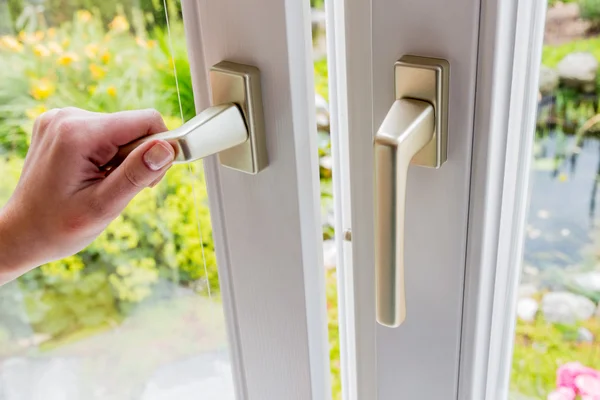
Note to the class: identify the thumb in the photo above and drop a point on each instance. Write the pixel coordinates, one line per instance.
(142, 167)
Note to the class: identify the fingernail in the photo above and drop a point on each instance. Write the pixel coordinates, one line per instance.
(158, 156)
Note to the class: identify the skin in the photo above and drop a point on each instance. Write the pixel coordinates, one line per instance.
(65, 198)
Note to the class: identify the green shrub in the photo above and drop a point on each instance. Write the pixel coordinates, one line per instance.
(57, 12)
(154, 247)
(552, 3)
(590, 10)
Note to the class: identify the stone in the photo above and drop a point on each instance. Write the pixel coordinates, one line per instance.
(530, 270)
(329, 254)
(326, 162)
(578, 70)
(588, 281)
(527, 308)
(548, 82)
(527, 290)
(322, 112)
(584, 335)
(566, 307)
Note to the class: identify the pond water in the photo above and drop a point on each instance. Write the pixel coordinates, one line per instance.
(563, 210)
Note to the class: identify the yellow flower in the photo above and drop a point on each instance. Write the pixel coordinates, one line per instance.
(11, 43)
(91, 50)
(119, 24)
(31, 38)
(36, 111)
(67, 59)
(55, 48)
(105, 57)
(112, 91)
(146, 44)
(42, 89)
(84, 15)
(51, 32)
(563, 177)
(40, 50)
(97, 72)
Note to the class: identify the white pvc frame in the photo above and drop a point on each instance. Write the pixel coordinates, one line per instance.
(510, 45)
(267, 228)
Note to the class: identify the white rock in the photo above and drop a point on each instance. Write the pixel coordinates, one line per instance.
(322, 120)
(584, 335)
(531, 270)
(566, 308)
(548, 80)
(589, 281)
(321, 103)
(527, 290)
(579, 70)
(322, 111)
(527, 308)
(329, 253)
(326, 162)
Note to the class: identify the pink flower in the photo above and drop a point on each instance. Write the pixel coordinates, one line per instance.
(567, 373)
(588, 386)
(562, 393)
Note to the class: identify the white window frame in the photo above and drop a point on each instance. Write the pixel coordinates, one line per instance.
(267, 228)
(510, 46)
(509, 52)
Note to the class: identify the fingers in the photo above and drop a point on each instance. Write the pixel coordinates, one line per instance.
(123, 127)
(98, 136)
(143, 167)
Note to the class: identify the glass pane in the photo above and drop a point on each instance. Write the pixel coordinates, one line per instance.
(557, 342)
(137, 314)
(322, 94)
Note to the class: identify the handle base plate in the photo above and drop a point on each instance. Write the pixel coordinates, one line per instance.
(240, 84)
(426, 79)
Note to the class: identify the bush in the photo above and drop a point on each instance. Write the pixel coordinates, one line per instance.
(153, 247)
(57, 12)
(590, 10)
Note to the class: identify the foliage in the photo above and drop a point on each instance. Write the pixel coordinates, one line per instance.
(551, 55)
(154, 246)
(541, 348)
(321, 78)
(182, 88)
(78, 63)
(552, 3)
(320, 4)
(334, 332)
(57, 12)
(590, 10)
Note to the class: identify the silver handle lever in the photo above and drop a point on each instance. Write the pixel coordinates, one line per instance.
(413, 132)
(215, 129)
(233, 127)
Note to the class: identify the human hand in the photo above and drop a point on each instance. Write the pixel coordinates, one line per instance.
(65, 197)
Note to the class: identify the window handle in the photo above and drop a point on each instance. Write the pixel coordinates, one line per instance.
(233, 127)
(414, 131)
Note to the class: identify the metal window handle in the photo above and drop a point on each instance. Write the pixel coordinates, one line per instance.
(233, 127)
(414, 131)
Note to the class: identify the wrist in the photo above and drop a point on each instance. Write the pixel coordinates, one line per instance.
(15, 260)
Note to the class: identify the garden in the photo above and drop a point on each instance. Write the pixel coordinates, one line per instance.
(154, 267)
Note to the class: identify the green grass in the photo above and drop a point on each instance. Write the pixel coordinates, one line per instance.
(541, 347)
(551, 55)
